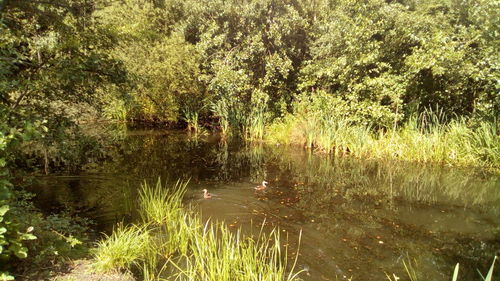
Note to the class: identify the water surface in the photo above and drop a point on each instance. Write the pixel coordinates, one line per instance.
(358, 218)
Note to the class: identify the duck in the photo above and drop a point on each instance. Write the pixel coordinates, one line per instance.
(206, 195)
(262, 186)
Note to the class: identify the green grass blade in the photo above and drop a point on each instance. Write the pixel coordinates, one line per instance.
(489, 276)
(455, 273)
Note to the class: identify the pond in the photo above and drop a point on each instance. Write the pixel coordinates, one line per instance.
(356, 218)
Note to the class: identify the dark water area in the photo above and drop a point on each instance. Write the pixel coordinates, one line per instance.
(357, 218)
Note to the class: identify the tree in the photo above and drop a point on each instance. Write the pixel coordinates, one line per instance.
(54, 59)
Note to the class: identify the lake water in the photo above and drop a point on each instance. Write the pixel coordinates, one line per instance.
(358, 218)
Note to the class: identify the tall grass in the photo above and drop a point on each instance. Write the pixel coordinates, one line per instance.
(232, 116)
(178, 246)
(191, 117)
(122, 248)
(218, 254)
(116, 109)
(423, 138)
(255, 127)
(161, 206)
(222, 111)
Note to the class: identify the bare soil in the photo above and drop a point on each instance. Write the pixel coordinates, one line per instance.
(81, 270)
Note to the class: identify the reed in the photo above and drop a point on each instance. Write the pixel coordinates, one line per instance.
(424, 138)
(160, 205)
(180, 247)
(255, 128)
(219, 254)
(222, 111)
(191, 117)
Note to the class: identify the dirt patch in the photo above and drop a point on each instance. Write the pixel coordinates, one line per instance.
(81, 270)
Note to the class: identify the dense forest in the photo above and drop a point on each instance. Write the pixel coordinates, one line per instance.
(410, 79)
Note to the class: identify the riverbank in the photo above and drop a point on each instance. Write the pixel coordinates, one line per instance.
(455, 143)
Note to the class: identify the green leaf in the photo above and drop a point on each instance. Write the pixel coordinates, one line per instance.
(4, 276)
(22, 253)
(28, 236)
(4, 210)
(489, 277)
(455, 273)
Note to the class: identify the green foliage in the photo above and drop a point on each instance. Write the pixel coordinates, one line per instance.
(116, 109)
(355, 58)
(188, 53)
(54, 61)
(387, 58)
(241, 65)
(54, 64)
(12, 236)
(60, 237)
(163, 67)
(163, 208)
(167, 81)
(57, 236)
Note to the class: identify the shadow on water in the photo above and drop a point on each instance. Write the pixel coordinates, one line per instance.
(359, 218)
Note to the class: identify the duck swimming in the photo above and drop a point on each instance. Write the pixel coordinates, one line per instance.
(206, 195)
(262, 186)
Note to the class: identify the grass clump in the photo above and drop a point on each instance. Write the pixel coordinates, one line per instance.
(122, 248)
(218, 254)
(172, 243)
(160, 205)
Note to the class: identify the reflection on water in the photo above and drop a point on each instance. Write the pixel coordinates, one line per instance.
(359, 218)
